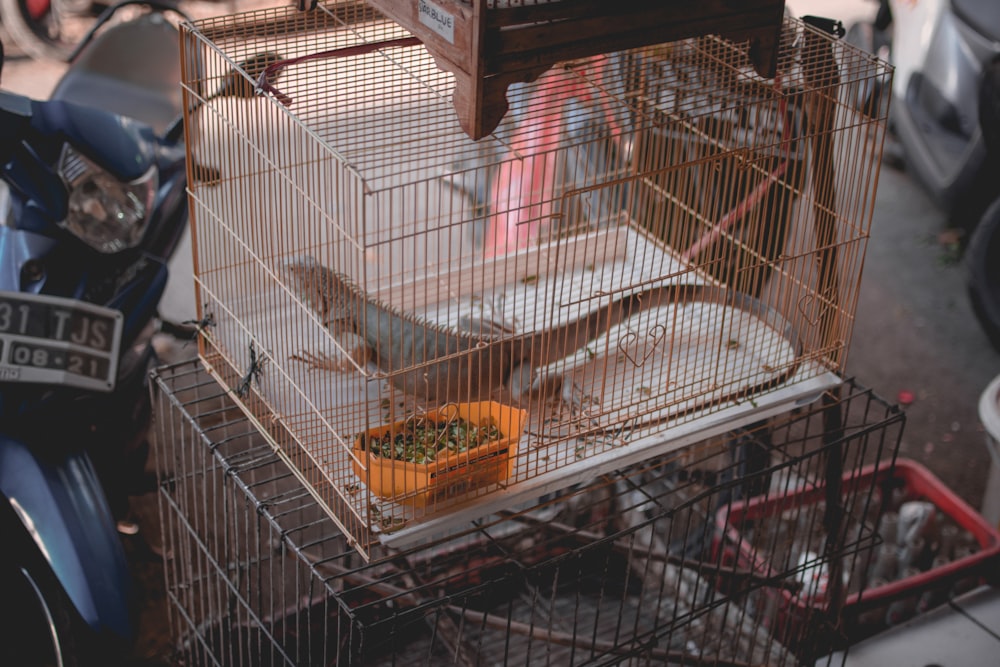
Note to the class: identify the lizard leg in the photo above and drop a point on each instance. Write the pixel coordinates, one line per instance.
(483, 327)
(319, 362)
(567, 413)
(525, 383)
(355, 354)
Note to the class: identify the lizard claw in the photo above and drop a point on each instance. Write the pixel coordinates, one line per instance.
(355, 356)
(552, 388)
(525, 385)
(318, 362)
(579, 402)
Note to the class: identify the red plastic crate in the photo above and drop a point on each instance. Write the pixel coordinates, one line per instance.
(863, 612)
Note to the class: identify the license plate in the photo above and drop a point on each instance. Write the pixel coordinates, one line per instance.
(51, 340)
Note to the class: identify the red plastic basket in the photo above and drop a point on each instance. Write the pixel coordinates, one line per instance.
(864, 613)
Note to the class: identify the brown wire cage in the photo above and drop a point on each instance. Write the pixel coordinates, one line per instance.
(489, 44)
(632, 567)
(654, 246)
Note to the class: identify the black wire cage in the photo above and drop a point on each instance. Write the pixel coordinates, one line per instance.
(667, 562)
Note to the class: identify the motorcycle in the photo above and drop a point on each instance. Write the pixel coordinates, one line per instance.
(95, 206)
(945, 115)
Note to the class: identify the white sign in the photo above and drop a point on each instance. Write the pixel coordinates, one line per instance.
(437, 19)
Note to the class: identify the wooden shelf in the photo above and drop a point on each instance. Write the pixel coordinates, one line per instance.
(490, 44)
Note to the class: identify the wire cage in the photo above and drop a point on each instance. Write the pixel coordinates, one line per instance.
(930, 546)
(652, 244)
(489, 44)
(628, 568)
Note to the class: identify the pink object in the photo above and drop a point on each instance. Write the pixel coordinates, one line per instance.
(37, 8)
(521, 193)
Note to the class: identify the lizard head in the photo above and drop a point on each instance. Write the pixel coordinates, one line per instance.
(319, 287)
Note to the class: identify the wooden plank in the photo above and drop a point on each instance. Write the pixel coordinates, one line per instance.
(489, 49)
(448, 28)
(531, 45)
(572, 10)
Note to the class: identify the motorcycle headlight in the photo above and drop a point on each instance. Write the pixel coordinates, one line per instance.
(105, 213)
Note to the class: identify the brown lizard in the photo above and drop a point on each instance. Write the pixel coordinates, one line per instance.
(440, 365)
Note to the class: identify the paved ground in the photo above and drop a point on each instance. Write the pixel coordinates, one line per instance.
(915, 331)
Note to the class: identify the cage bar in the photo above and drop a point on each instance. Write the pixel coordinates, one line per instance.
(652, 246)
(632, 567)
(489, 44)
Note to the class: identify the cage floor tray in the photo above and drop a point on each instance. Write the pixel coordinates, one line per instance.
(704, 426)
(666, 377)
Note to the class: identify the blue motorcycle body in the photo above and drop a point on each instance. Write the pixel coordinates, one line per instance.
(60, 443)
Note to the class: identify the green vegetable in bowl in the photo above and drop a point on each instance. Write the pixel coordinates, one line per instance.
(423, 440)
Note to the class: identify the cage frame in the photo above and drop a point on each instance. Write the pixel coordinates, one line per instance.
(225, 549)
(359, 523)
(488, 46)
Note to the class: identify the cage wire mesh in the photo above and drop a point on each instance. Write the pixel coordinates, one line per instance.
(650, 238)
(634, 567)
(489, 45)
